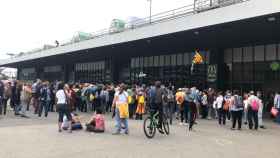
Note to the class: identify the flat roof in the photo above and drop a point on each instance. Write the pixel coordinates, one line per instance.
(189, 21)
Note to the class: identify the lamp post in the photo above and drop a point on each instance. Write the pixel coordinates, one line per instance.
(150, 10)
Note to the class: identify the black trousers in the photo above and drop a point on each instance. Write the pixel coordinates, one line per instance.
(185, 111)
(222, 116)
(237, 116)
(4, 106)
(193, 114)
(204, 111)
(158, 107)
(253, 118)
(132, 109)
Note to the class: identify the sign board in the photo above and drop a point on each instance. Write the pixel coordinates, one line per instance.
(212, 73)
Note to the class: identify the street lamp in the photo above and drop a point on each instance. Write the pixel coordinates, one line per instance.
(150, 10)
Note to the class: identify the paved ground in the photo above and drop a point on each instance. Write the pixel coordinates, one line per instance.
(38, 138)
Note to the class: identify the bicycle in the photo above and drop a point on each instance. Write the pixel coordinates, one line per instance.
(151, 124)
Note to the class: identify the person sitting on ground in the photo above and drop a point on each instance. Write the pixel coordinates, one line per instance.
(75, 123)
(96, 123)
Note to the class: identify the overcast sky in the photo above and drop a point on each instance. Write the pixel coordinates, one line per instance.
(29, 24)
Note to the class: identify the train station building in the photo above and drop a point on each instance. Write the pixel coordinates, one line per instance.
(238, 39)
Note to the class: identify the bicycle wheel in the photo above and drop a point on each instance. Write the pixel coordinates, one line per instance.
(165, 125)
(149, 128)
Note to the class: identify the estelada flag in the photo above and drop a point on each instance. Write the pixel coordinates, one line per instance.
(197, 58)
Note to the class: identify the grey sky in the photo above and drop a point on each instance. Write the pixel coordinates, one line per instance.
(29, 24)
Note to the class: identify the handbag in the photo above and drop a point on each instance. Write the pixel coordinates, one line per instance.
(123, 109)
(274, 111)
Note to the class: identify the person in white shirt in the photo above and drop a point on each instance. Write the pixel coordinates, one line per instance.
(62, 107)
(120, 104)
(245, 102)
(219, 106)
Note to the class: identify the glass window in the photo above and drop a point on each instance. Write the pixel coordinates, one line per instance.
(237, 54)
(228, 55)
(173, 60)
(151, 61)
(161, 60)
(146, 61)
(167, 60)
(259, 53)
(141, 62)
(207, 58)
(132, 62)
(179, 59)
(187, 59)
(156, 61)
(270, 53)
(248, 54)
(136, 62)
(103, 65)
(278, 51)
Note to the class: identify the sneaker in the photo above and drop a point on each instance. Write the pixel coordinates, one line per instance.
(181, 124)
(185, 124)
(262, 127)
(116, 133)
(126, 132)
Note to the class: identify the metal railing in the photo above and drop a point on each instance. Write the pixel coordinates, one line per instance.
(197, 7)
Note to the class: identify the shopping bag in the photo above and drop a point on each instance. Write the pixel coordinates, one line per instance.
(123, 109)
(274, 112)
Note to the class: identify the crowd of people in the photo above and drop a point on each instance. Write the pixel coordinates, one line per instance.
(126, 102)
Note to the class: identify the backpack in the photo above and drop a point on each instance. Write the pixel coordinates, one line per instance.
(44, 94)
(238, 101)
(255, 105)
(226, 104)
(152, 95)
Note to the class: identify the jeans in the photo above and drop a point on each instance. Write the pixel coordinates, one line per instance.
(222, 116)
(23, 107)
(278, 116)
(44, 105)
(253, 116)
(132, 109)
(168, 111)
(237, 116)
(120, 121)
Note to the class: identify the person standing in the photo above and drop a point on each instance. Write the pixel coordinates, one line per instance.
(35, 95)
(45, 99)
(204, 105)
(245, 102)
(15, 99)
(170, 104)
(7, 95)
(180, 99)
(140, 110)
(219, 106)
(260, 111)
(62, 107)
(277, 106)
(253, 108)
(24, 99)
(120, 104)
(2, 87)
(193, 110)
(211, 95)
(236, 110)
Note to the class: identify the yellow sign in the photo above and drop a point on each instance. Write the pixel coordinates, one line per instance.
(197, 58)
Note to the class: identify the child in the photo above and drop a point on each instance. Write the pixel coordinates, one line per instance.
(96, 123)
(75, 123)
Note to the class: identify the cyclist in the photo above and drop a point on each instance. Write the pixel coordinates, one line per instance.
(156, 94)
